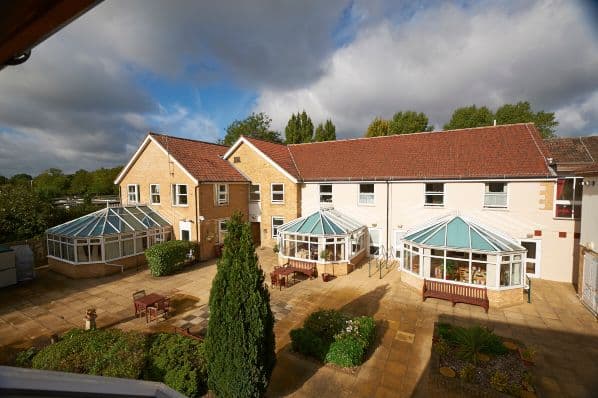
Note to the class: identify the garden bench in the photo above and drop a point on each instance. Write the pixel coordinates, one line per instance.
(185, 332)
(302, 267)
(456, 293)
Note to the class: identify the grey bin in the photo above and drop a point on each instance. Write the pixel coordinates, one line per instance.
(24, 262)
(8, 275)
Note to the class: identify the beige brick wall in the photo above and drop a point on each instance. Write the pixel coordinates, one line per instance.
(153, 167)
(261, 172)
(546, 196)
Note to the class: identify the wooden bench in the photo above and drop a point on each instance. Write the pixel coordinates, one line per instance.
(303, 267)
(456, 293)
(185, 332)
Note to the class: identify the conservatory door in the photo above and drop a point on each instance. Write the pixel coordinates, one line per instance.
(532, 264)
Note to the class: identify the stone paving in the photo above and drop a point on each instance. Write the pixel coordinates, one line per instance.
(564, 332)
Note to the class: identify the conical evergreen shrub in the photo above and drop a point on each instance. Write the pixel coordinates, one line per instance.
(240, 338)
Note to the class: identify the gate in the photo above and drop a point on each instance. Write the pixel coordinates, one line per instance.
(590, 282)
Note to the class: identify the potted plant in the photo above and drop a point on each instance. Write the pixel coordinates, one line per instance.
(451, 270)
(275, 249)
(527, 355)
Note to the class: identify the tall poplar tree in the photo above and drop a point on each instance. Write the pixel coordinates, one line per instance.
(325, 132)
(299, 129)
(240, 338)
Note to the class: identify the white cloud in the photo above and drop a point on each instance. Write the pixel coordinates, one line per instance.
(445, 57)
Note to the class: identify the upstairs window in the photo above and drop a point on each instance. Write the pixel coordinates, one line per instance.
(495, 195)
(277, 193)
(366, 194)
(133, 193)
(434, 194)
(568, 197)
(221, 194)
(155, 194)
(325, 193)
(254, 193)
(179, 195)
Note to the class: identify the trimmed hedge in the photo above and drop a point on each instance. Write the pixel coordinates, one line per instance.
(168, 257)
(109, 352)
(333, 337)
(179, 362)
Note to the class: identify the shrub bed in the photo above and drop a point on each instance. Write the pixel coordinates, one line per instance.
(175, 360)
(168, 257)
(333, 337)
(480, 360)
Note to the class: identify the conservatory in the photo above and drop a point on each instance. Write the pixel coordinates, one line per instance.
(88, 245)
(458, 250)
(327, 238)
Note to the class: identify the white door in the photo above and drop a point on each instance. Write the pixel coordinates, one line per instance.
(532, 264)
(590, 282)
(375, 241)
(397, 248)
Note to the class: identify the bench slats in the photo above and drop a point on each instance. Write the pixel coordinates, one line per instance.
(456, 293)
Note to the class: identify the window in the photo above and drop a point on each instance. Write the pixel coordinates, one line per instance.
(326, 193)
(568, 197)
(222, 229)
(532, 261)
(179, 195)
(366, 194)
(276, 222)
(277, 193)
(133, 191)
(221, 194)
(495, 195)
(510, 270)
(434, 194)
(375, 237)
(155, 194)
(254, 193)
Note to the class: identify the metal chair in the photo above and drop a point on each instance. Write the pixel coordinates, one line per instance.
(136, 296)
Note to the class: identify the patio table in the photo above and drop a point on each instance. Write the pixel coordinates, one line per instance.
(285, 271)
(147, 301)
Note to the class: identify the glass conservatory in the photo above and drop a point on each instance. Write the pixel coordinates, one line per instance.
(324, 236)
(461, 251)
(107, 234)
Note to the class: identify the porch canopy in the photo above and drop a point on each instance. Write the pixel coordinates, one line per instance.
(323, 236)
(459, 249)
(107, 234)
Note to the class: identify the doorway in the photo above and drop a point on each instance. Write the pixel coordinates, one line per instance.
(532, 264)
(256, 234)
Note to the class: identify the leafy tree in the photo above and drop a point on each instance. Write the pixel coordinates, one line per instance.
(21, 178)
(256, 125)
(23, 212)
(299, 129)
(522, 112)
(470, 116)
(51, 183)
(3, 180)
(378, 127)
(240, 338)
(408, 122)
(325, 132)
(80, 182)
(102, 181)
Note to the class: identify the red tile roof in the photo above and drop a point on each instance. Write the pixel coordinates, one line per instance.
(279, 153)
(588, 170)
(203, 160)
(574, 149)
(485, 152)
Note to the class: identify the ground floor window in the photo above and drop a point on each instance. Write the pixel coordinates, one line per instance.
(375, 241)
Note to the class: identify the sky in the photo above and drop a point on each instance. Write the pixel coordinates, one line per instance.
(89, 94)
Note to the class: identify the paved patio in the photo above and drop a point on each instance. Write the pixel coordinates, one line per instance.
(564, 332)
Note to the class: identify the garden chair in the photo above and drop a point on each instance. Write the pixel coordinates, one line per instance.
(277, 280)
(161, 309)
(136, 296)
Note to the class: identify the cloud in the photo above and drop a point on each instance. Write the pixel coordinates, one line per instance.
(446, 56)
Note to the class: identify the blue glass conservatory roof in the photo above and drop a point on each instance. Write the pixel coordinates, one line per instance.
(111, 220)
(458, 232)
(322, 222)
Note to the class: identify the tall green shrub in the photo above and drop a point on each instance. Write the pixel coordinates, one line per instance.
(168, 257)
(240, 338)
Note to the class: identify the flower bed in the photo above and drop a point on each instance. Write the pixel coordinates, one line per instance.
(475, 360)
(333, 337)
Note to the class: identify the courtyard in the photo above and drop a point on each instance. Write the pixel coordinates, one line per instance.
(564, 332)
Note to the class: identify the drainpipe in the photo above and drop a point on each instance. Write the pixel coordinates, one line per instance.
(387, 216)
(197, 221)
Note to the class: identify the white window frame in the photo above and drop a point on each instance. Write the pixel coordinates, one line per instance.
(176, 195)
(222, 231)
(136, 193)
(325, 194)
(184, 226)
(433, 193)
(379, 242)
(221, 197)
(152, 194)
(398, 245)
(496, 194)
(273, 192)
(537, 261)
(258, 192)
(574, 202)
(278, 218)
(363, 195)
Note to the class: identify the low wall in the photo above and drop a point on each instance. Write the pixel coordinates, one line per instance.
(94, 270)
